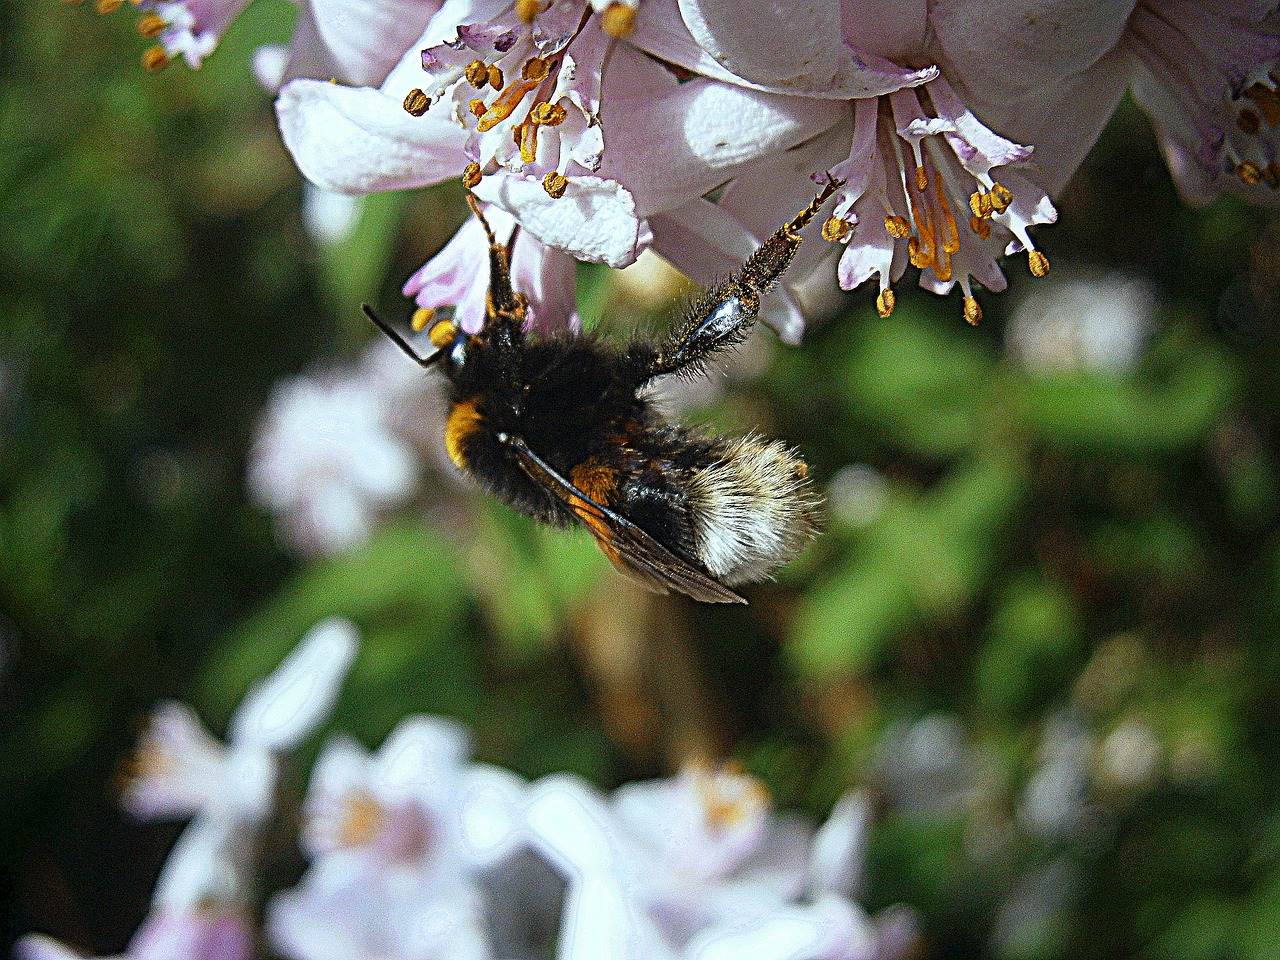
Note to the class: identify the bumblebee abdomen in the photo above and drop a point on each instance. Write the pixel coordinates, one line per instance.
(752, 507)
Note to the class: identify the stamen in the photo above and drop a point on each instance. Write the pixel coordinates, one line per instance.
(477, 107)
(981, 227)
(897, 226)
(618, 20)
(536, 69)
(477, 74)
(548, 114)
(1266, 101)
(555, 184)
(1001, 197)
(922, 179)
(834, 229)
(951, 245)
(972, 312)
(981, 205)
(1249, 173)
(154, 58)
(151, 25)
(471, 175)
(363, 818)
(526, 10)
(886, 302)
(1271, 175)
(495, 77)
(416, 103)
(105, 7)
(421, 317)
(918, 256)
(1038, 263)
(528, 140)
(506, 103)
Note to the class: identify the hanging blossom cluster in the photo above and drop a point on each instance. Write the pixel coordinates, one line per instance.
(418, 853)
(693, 126)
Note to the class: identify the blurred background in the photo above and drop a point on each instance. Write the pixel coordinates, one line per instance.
(1040, 627)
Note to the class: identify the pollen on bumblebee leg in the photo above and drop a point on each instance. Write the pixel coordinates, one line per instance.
(421, 317)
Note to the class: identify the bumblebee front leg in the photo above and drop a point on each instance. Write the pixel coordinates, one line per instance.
(724, 314)
(502, 305)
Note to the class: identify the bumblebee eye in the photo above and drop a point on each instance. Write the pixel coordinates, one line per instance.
(442, 334)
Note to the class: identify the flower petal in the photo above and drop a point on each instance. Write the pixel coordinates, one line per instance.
(360, 140)
(837, 858)
(595, 220)
(363, 39)
(285, 707)
(800, 52)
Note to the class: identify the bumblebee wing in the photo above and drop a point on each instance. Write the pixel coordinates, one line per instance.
(632, 550)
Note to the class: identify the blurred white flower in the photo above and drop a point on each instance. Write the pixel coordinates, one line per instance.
(326, 461)
(202, 903)
(180, 770)
(929, 763)
(1096, 323)
(669, 861)
(397, 841)
(1056, 801)
(856, 494)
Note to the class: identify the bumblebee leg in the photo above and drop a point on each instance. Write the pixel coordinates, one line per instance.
(724, 314)
(503, 305)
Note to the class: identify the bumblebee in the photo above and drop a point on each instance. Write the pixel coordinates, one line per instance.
(560, 428)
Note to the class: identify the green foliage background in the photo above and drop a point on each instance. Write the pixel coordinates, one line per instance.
(1098, 547)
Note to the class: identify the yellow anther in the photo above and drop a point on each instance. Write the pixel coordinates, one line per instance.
(981, 227)
(1001, 197)
(885, 302)
(834, 229)
(151, 25)
(1249, 122)
(535, 68)
(942, 268)
(477, 107)
(471, 175)
(918, 255)
(1038, 263)
(421, 317)
(972, 312)
(154, 58)
(1249, 173)
(922, 180)
(548, 114)
(416, 102)
(618, 20)
(555, 184)
(1266, 101)
(526, 10)
(108, 6)
(495, 77)
(441, 334)
(477, 74)
(981, 205)
(526, 135)
(897, 226)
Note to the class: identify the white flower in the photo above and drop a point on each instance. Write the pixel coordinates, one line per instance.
(180, 770)
(326, 461)
(397, 841)
(1095, 323)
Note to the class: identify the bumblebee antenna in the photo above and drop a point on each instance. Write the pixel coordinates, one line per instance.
(398, 340)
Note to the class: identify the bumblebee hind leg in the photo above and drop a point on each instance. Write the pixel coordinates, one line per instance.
(723, 316)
